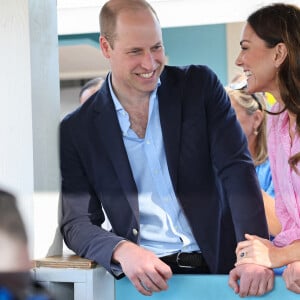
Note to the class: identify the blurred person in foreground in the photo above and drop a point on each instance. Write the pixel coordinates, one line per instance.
(151, 150)
(15, 279)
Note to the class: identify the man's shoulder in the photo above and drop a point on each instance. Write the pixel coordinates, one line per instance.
(182, 70)
(82, 112)
(70, 119)
(189, 73)
(190, 78)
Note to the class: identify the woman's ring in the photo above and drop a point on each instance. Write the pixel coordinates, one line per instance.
(243, 254)
(144, 286)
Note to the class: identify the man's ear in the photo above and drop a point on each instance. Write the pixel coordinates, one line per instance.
(280, 54)
(105, 47)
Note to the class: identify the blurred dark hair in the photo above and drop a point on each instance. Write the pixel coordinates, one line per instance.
(10, 218)
(91, 83)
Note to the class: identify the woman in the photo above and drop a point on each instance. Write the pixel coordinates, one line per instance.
(270, 58)
(250, 111)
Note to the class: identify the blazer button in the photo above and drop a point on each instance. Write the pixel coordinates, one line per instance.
(135, 232)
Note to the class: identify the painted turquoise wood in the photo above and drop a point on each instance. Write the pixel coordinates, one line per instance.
(199, 287)
(204, 45)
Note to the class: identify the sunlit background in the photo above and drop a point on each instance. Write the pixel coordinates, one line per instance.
(194, 31)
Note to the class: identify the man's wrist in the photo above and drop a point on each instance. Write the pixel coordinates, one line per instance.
(114, 259)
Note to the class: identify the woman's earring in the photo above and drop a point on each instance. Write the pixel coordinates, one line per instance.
(255, 132)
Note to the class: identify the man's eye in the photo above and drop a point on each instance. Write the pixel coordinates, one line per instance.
(134, 51)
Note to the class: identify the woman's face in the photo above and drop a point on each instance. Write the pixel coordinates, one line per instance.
(247, 121)
(258, 62)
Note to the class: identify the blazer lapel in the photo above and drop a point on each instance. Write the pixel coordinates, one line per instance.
(108, 130)
(169, 97)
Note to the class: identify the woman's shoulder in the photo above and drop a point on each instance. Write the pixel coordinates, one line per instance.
(277, 118)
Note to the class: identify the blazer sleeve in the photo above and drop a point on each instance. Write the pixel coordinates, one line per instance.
(82, 213)
(230, 155)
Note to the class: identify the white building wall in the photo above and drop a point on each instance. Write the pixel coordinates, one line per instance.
(30, 107)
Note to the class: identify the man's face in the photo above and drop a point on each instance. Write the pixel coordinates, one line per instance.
(137, 58)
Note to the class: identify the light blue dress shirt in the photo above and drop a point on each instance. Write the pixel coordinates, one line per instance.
(163, 225)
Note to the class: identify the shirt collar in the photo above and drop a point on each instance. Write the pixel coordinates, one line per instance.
(116, 101)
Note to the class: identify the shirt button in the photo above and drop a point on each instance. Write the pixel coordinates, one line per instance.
(135, 232)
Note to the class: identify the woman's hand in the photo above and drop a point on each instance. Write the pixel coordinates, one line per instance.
(258, 251)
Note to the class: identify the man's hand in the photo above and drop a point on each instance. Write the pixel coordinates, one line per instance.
(254, 280)
(143, 268)
(291, 276)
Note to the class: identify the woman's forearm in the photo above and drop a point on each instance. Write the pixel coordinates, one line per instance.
(272, 219)
(290, 253)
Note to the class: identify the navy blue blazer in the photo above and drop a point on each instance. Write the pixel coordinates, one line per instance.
(210, 167)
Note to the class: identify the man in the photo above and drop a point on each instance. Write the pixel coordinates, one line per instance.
(159, 150)
(90, 88)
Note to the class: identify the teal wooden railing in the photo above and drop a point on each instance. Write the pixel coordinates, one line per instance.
(199, 287)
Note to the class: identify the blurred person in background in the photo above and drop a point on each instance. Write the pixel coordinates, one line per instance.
(90, 88)
(250, 111)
